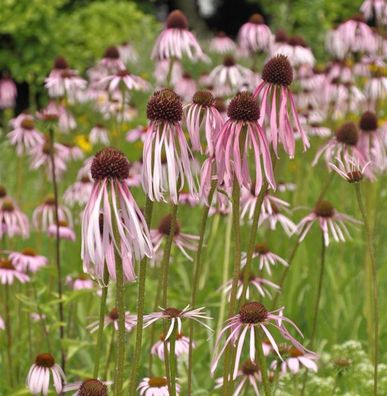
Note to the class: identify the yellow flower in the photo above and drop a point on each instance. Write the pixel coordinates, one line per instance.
(83, 143)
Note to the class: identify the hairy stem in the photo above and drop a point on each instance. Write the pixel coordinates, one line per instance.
(261, 361)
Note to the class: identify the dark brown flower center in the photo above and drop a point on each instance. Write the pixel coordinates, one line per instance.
(342, 362)
(256, 19)
(348, 133)
(250, 276)
(203, 98)
(172, 312)
(165, 226)
(63, 223)
(354, 176)
(220, 105)
(29, 252)
(50, 200)
(85, 179)
(368, 122)
(243, 107)
(45, 360)
(110, 163)
(297, 41)
(46, 148)
(3, 192)
(92, 387)
(113, 314)
(6, 264)
(261, 248)
(27, 123)
(60, 63)
(68, 73)
(164, 105)
(249, 367)
(177, 20)
(122, 73)
(111, 53)
(281, 36)
(8, 206)
(253, 312)
(278, 70)
(157, 382)
(221, 34)
(229, 61)
(324, 209)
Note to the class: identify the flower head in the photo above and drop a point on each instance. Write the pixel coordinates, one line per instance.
(88, 387)
(27, 260)
(254, 35)
(8, 273)
(12, 220)
(155, 386)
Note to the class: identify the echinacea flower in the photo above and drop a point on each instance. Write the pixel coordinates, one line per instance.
(248, 374)
(123, 80)
(181, 346)
(38, 379)
(99, 135)
(79, 192)
(27, 260)
(350, 170)
(294, 359)
(4, 195)
(165, 138)
(330, 221)
(278, 108)
(138, 133)
(176, 40)
(297, 52)
(127, 52)
(155, 386)
(111, 61)
(275, 216)
(12, 220)
(63, 229)
(202, 115)
(265, 257)
(8, 273)
(88, 387)
(175, 316)
(254, 35)
(80, 282)
(163, 70)
(241, 139)
(252, 317)
(8, 92)
(112, 222)
(111, 320)
(181, 240)
(44, 214)
(185, 87)
(222, 44)
(25, 136)
(375, 9)
(228, 77)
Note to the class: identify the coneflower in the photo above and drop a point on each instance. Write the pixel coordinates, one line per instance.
(255, 35)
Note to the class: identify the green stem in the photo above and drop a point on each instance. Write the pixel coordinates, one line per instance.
(102, 311)
(373, 271)
(237, 265)
(110, 353)
(326, 186)
(261, 361)
(9, 334)
(172, 362)
(169, 75)
(197, 272)
(140, 306)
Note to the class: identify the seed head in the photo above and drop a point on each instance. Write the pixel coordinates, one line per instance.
(253, 312)
(228, 61)
(92, 387)
(177, 20)
(6, 264)
(243, 107)
(261, 248)
(29, 252)
(278, 70)
(203, 98)
(111, 53)
(110, 163)
(281, 36)
(165, 226)
(7, 206)
(172, 312)
(348, 133)
(157, 382)
(256, 19)
(45, 360)
(368, 122)
(249, 367)
(164, 105)
(324, 209)
(60, 63)
(113, 314)
(3, 192)
(27, 123)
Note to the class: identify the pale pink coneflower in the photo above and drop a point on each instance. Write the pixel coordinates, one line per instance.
(260, 285)
(335, 45)
(65, 231)
(111, 320)
(181, 240)
(44, 214)
(88, 387)
(134, 178)
(137, 134)
(99, 135)
(13, 221)
(123, 80)
(181, 346)
(175, 316)
(275, 216)
(248, 376)
(66, 121)
(339, 69)
(2, 324)
(283, 186)
(155, 386)
(27, 260)
(111, 207)
(252, 317)
(37, 317)
(128, 53)
(375, 9)
(111, 61)
(161, 71)
(80, 282)
(38, 379)
(293, 360)
(9, 273)
(228, 77)
(330, 221)
(278, 108)
(222, 44)
(202, 115)
(241, 139)
(79, 192)
(371, 141)
(8, 92)
(254, 36)
(165, 139)
(118, 108)
(350, 170)
(342, 146)
(185, 87)
(357, 36)
(297, 52)
(375, 87)
(265, 258)
(176, 41)
(74, 152)
(25, 136)
(186, 198)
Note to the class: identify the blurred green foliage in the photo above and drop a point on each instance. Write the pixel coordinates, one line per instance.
(34, 32)
(310, 18)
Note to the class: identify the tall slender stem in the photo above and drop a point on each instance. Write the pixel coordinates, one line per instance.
(261, 361)
(172, 361)
(57, 245)
(140, 306)
(237, 265)
(110, 353)
(373, 271)
(102, 312)
(169, 75)
(8, 327)
(197, 272)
